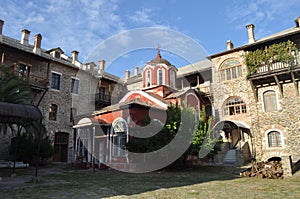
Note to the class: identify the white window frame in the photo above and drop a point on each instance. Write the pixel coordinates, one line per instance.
(148, 79)
(163, 76)
(172, 79)
(229, 70)
(57, 73)
(267, 139)
(75, 78)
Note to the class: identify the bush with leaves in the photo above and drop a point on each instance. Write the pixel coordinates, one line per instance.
(24, 146)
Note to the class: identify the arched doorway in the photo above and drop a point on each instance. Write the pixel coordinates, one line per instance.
(61, 141)
(237, 141)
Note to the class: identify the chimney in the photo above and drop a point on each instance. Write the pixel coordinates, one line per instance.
(136, 71)
(127, 74)
(25, 37)
(101, 65)
(229, 45)
(74, 56)
(250, 28)
(1, 27)
(297, 21)
(37, 44)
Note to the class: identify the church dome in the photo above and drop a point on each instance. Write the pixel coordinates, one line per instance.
(159, 60)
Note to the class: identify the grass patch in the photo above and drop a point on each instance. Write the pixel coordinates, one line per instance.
(203, 182)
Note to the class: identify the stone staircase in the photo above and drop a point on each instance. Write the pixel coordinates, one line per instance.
(233, 156)
(230, 157)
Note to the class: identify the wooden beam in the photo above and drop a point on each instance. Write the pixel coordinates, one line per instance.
(279, 85)
(254, 90)
(295, 83)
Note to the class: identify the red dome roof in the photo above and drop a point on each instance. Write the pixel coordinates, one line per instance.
(159, 60)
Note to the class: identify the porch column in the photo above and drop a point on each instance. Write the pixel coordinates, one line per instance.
(93, 150)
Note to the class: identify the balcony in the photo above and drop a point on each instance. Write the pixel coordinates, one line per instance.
(37, 82)
(276, 73)
(277, 68)
(102, 100)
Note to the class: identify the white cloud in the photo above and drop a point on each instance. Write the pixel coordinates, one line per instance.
(143, 16)
(261, 13)
(34, 18)
(78, 25)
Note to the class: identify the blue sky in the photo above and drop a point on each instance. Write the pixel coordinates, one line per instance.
(84, 25)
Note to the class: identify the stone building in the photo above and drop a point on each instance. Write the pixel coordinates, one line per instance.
(62, 87)
(257, 113)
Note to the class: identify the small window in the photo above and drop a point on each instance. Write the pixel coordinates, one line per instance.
(230, 69)
(23, 71)
(270, 101)
(234, 106)
(53, 112)
(73, 112)
(274, 139)
(160, 77)
(74, 85)
(148, 79)
(57, 54)
(55, 81)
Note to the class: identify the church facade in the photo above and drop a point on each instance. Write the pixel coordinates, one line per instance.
(106, 132)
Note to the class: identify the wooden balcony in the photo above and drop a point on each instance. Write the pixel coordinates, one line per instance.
(277, 73)
(102, 100)
(37, 82)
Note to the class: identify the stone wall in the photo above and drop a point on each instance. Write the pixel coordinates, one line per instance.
(286, 120)
(222, 90)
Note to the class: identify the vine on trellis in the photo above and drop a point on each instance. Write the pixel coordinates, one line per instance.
(281, 52)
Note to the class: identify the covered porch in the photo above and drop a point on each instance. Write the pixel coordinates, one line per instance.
(237, 139)
(99, 144)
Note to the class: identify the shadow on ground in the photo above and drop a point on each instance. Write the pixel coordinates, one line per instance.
(59, 181)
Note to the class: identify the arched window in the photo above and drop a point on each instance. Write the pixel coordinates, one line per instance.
(53, 112)
(172, 78)
(148, 78)
(274, 139)
(121, 132)
(160, 77)
(270, 101)
(234, 106)
(230, 69)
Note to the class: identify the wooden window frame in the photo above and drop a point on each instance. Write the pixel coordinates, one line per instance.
(275, 102)
(231, 72)
(237, 107)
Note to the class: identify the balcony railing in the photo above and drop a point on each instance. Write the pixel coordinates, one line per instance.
(102, 97)
(105, 98)
(278, 66)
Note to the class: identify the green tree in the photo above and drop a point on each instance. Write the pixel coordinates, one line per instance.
(14, 89)
(159, 139)
(204, 143)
